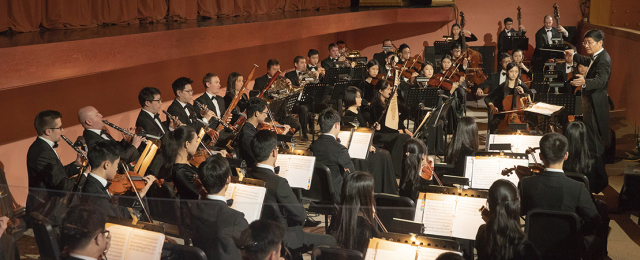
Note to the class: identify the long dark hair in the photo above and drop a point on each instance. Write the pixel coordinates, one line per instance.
(425, 65)
(504, 235)
(381, 85)
(448, 57)
(370, 64)
(172, 141)
(505, 84)
(357, 200)
(412, 153)
(231, 82)
(466, 137)
(579, 159)
(350, 96)
(456, 25)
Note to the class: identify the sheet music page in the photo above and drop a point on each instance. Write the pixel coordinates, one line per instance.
(229, 193)
(420, 204)
(359, 145)
(428, 253)
(504, 139)
(248, 199)
(543, 108)
(468, 168)
(344, 138)
(370, 253)
(510, 163)
(283, 162)
(144, 245)
(119, 241)
(485, 171)
(468, 219)
(527, 141)
(439, 212)
(300, 171)
(392, 250)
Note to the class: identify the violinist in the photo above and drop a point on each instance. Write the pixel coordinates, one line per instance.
(257, 113)
(313, 65)
(456, 54)
(387, 47)
(457, 32)
(518, 58)
(211, 99)
(104, 159)
(464, 143)
(371, 79)
(235, 81)
(389, 64)
(512, 86)
(457, 105)
(445, 65)
(182, 109)
(427, 72)
(415, 157)
(496, 79)
(405, 57)
(334, 56)
(508, 32)
(177, 148)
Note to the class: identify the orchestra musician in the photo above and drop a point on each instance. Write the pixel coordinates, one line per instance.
(595, 99)
(334, 56)
(91, 121)
(518, 58)
(149, 118)
(545, 36)
(414, 158)
(182, 109)
(49, 179)
(496, 79)
(177, 147)
(464, 143)
(214, 102)
(304, 117)
(457, 32)
(367, 85)
(104, 160)
(342, 46)
(507, 32)
(512, 86)
(83, 233)
(389, 64)
(235, 81)
(257, 112)
(427, 72)
(314, 59)
(262, 240)
(273, 66)
(387, 46)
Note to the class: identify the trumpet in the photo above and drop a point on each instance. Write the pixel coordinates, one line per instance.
(122, 130)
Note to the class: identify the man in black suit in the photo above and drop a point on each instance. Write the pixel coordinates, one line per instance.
(83, 233)
(215, 226)
(280, 197)
(595, 99)
(211, 99)
(273, 66)
(552, 190)
(328, 150)
(382, 56)
(334, 56)
(182, 109)
(257, 112)
(49, 179)
(91, 121)
(149, 118)
(545, 36)
(304, 117)
(104, 159)
(314, 60)
(509, 31)
(496, 79)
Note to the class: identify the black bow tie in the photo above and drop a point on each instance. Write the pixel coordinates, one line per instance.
(106, 187)
(593, 57)
(338, 139)
(55, 145)
(157, 116)
(549, 30)
(334, 60)
(103, 132)
(276, 170)
(213, 97)
(299, 73)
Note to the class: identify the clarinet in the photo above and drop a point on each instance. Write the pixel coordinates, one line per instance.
(74, 148)
(214, 115)
(122, 130)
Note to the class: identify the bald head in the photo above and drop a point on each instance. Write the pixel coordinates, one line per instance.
(90, 118)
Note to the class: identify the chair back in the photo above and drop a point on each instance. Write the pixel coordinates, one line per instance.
(555, 234)
(579, 177)
(46, 239)
(334, 253)
(321, 189)
(390, 206)
(176, 251)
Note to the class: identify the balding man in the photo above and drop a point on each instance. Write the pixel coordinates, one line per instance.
(91, 120)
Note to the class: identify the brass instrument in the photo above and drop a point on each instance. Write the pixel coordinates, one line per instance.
(308, 77)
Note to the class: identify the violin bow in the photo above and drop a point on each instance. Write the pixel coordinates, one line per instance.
(144, 208)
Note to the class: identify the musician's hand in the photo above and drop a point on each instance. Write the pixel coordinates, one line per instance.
(519, 89)
(494, 109)
(228, 120)
(321, 70)
(286, 129)
(315, 73)
(372, 149)
(87, 170)
(479, 92)
(485, 216)
(562, 30)
(568, 54)
(3, 224)
(342, 58)
(127, 138)
(465, 63)
(415, 74)
(80, 160)
(466, 32)
(406, 131)
(137, 140)
(149, 179)
(462, 79)
(579, 81)
(376, 125)
(521, 27)
(224, 153)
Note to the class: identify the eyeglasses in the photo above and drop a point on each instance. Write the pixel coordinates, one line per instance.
(159, 100)
(189, 91)
(53, 128)
(586, 43)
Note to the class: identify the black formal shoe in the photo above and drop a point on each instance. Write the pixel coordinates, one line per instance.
(304, 138)
(311, 223)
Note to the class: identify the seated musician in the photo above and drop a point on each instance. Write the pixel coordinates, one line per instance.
(182, 109)
(329, 151)
(334, 56)
(104, 157)
(382, 56)
(464, 143)
(213, 225)
(342, 46)
(306, 122)
(355, 223)
(456, 32)
(391, 138)
(427, 72)
(389, 64)
(518, 58)
(367, 85)
(262, 240)
(273, 66)
(565, 194)
(177, 147)
(280, 197)
(8, 246)
(314, 59)
(257, 113)
(378, 163)
(508, 32)
(235, 81)
(512, 86)
(414, 159)
(48, 177)
(91, 121)
(456, 53)
(214, 102)
(496, 79)
(83, 234)
(445, 65)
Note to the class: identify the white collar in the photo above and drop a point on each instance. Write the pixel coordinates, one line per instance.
(100, 179)
(598, 53)
(182, 104)
(266, 166)
(553, 170)
(298, 72)
(216, 197)
(99, 132)
(334, 137)
(151, 114)
(208, 95)
(81, 256)
(48, 141)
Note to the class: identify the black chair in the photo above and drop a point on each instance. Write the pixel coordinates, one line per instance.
(390, 206)
(334, 253)
(579, 177)
(46, 238)
(172, 251)
(321, 194)
(555, 234)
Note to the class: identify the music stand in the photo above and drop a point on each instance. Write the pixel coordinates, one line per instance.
(427, 96)
(338, 94)
(515, 42)
(442, 47)
(437, 119)
(312, 93)
(359, 71)
(334, 75)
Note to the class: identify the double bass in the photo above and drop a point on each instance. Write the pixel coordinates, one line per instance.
(474, 76)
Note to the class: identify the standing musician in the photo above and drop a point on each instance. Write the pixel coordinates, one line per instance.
(235, 81)
(293, 76)
(594, 85)
(214, 102)
(104, 160)
(48, 177)
(334, 56)
(496, 79)
(91, 121)
(314, 59)
(545, 35)
(512, 86)
(182, 109)
(456, 34)
(387, 46)
(507, 32)
(257, 113)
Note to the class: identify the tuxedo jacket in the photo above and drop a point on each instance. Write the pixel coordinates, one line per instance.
(95, 194)
(502, 35)
(330, 152)
(246, 135)
(293, 76)
(129, 152)
(214, 226)
(542, 39)
(279, 196)
(49, 180)
(261, 82)
(205, 100)
(148, 123)
(555, 191)
(492, 82)
(176, 109)
(380, 57)
(327, 63)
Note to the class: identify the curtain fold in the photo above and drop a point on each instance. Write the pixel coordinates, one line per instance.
(24, 15)
(183, 9)
(151, 10)
(66, 14)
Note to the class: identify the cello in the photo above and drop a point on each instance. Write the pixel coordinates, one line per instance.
(516, 115)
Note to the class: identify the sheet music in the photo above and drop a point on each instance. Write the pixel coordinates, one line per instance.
(229, 193)
(543, 108)
(420, 205)
(519, 143)
(486, 170)
(344, 138)
(467, 218)
(428, 253)
(297, 169)
(359, 145)
(510, 163)
(248, 199)
(383, 249)
(119, 241)
(144, 245)
(438, 216)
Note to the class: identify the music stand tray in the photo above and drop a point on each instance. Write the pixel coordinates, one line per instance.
(442, 47)
(359, 71)
(427, 96)
(334, 75)
(515, 42)
(568, 100)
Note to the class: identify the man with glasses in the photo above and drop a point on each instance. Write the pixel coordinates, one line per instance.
(508, 32)
(257, 112)
(382, 56)
(181, 106)
(49, 179)
(595, 99)
(83, 234)
(149, 117)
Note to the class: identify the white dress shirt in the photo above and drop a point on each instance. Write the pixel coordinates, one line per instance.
(155, 119)
(102, 181)
(266, 166)
(99, 132)
(217, 197)
(50, 144)
(503, 76)
(81, 256)
(215, 103)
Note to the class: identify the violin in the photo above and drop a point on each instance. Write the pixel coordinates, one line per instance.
(412, 66)
(523, 171)
(377, 78)
(447, 79)
(275, 126)
(427, 173)
(121, 184)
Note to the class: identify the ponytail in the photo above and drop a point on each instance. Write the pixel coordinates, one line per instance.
(172, 142)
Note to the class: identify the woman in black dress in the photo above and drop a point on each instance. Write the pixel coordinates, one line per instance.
(502, 238)
(581, 161)
(234, 85)
(427, 72)
(464, 143)
(456, 32)
(415, 157)
(512, 86)
(379, 162)
(177, 147)
(367, 88)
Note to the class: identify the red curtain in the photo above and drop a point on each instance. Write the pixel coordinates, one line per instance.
(30, 15)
